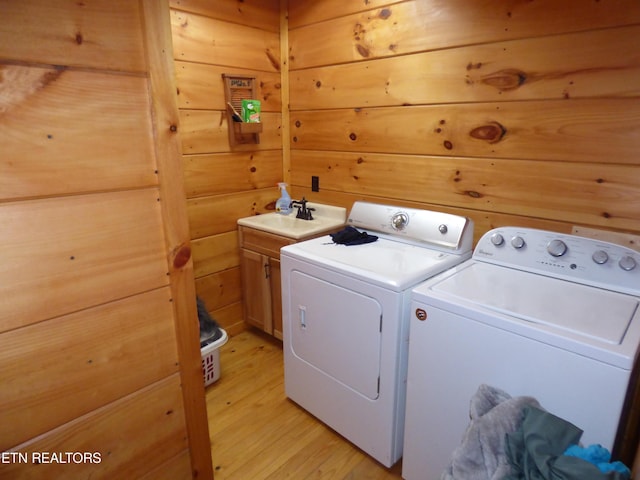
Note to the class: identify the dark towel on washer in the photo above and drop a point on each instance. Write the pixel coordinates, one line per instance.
(351, 236)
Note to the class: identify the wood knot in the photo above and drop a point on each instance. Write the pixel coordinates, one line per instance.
(363, 51)
(182, 256)
(384, 13)
(173, 128)
(275, 62)
(492, 132)
(508, 79)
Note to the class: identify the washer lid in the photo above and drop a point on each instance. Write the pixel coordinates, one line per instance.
(387, 263)
(592, 312)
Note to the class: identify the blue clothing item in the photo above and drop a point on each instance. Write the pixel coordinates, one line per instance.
(599, 456)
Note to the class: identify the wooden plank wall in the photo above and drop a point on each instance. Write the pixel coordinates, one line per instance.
(99, 355)
(509, 112)
(222, 183)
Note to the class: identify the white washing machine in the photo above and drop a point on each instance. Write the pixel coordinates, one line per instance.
(533, 313)
(346, 314)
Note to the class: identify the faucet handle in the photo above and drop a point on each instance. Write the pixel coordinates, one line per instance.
(309, 216)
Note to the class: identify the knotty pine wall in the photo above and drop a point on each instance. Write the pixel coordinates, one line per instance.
(99, 350)
(509, 112)
(223, 184)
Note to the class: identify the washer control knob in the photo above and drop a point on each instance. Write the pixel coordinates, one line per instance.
(497, 239)
(627, 263)
(556, 248)
(443, 229)
(600, 257)
(399, 220)
(517, 242)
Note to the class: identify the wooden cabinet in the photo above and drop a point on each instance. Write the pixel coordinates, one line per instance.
(260, 267)
(276, 296)
(261, 289)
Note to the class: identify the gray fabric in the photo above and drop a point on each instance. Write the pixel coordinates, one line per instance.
(482, 453)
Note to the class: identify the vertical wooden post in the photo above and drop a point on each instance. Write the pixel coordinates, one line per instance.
(157, 32)
(284, 81)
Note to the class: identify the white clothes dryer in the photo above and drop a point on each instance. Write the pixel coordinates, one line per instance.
(534, 313)
(346, 314)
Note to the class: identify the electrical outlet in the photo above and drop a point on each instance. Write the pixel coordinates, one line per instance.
(315, 183)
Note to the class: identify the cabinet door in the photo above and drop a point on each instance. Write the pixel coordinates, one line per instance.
(257, 296)
(276, 297)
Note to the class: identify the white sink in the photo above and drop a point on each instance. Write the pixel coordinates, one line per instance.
(325, 219)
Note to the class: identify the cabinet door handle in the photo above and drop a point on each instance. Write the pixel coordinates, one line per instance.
(266, 270)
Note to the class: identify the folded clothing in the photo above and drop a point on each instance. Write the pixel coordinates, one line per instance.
(351, 236)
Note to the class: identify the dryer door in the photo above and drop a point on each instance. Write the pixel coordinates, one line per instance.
(337, 331)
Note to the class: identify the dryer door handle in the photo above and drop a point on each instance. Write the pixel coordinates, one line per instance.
(302, 314)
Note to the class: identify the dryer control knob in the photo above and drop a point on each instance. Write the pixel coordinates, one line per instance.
(556, 248)
(399, 220)
(517, 242)
(627, 263)
(497, 239)
(600, 257)
(443, 229)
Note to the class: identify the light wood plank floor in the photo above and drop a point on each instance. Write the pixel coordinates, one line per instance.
(257, 433)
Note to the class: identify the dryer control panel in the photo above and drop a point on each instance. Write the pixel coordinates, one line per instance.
(438, 230)
(579, 259)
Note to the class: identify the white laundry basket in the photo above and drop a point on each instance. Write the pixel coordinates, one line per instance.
(211, 359)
